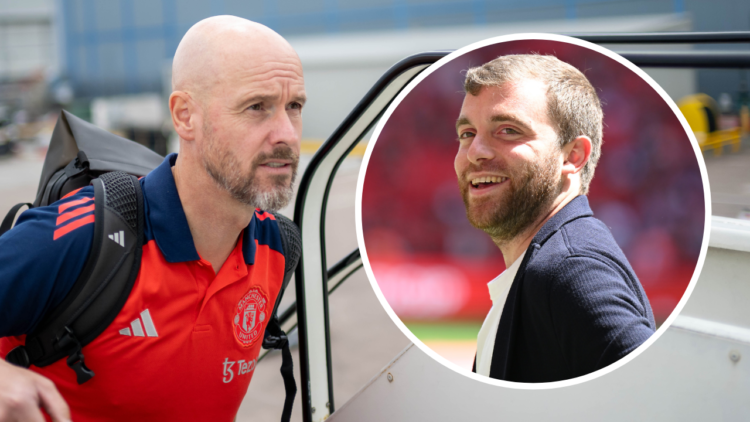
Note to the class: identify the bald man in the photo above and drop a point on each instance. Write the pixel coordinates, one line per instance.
(212, 265)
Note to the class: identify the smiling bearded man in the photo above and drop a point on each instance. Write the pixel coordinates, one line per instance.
(568, 304)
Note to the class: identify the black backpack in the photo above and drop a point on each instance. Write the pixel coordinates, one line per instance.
(81, 154)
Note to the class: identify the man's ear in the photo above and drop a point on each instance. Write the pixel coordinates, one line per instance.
(182, 107)
(576, 154)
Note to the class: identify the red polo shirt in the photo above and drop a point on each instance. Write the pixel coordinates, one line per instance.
(185, 345)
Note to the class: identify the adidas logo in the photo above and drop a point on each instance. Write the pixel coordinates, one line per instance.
(119, 238)
(137, 328)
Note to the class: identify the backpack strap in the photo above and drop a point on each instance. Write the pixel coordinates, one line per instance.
(104, 285)
(274, 337)
(291, 243)
(78, 168)
(11, 217)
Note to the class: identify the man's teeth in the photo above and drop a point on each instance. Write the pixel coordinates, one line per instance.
(275, 165)
(488, 179)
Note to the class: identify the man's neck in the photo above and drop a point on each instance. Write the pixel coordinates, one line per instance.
(514, 248)
(215, 218)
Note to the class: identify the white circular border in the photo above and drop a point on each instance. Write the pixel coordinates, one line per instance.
(547, 37)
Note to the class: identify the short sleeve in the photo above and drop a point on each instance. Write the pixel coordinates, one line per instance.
(41, 258)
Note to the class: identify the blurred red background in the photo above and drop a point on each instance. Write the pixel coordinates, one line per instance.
(433, 266)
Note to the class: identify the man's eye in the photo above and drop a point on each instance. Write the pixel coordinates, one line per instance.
(256, 107)
(509, 131)
(465, 135)
(295, 106)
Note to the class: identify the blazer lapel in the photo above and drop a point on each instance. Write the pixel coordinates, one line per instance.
(501, 354)
(508, 322)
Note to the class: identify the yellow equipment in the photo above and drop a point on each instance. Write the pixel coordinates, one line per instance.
(702, 114)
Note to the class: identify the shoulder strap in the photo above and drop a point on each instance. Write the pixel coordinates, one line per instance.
(104, 285)
(275, 337)
(11, 217)
(291, 243)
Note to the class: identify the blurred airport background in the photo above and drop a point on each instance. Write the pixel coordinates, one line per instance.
(109, 62)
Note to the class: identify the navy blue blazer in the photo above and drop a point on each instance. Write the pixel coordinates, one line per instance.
(575, 305)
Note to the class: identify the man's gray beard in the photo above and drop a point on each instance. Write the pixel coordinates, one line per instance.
(529, 195)
(226, 170)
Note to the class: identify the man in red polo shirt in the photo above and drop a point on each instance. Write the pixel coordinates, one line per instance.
(185, 345)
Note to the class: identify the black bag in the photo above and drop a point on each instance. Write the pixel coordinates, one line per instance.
(103, 286)
(80, 154)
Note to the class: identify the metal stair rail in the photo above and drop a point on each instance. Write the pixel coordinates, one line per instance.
(312, 275)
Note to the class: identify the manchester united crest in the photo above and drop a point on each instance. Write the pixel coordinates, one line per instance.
(249, 317)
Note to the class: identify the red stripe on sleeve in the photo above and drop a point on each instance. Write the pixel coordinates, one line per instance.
(69, 194)
(67, 205)
(62, 231)
(75, 213)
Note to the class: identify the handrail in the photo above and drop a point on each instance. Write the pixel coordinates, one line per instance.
(309, 214)
(336, 275)
(690, 59)
(667, 37)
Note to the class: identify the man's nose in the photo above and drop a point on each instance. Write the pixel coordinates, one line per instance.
(284, 130)
(480, 150)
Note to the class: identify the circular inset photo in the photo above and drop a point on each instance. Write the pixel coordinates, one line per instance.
(533, 211)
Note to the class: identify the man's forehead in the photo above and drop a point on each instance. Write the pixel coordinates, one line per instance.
(265, 67)
(267, 79)
(263, 75)
(525, 98)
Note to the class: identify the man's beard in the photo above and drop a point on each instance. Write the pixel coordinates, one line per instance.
(228, 172)
(530, 192)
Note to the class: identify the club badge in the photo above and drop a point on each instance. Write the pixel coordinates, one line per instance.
(249, 317)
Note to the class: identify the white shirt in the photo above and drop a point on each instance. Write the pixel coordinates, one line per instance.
(499, 288)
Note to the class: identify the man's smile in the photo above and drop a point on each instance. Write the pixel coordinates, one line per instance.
(484, 185)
